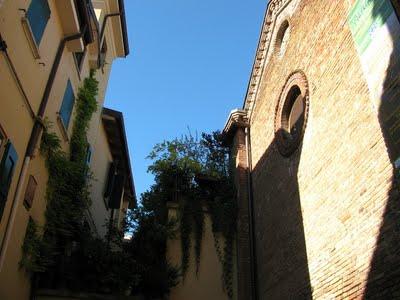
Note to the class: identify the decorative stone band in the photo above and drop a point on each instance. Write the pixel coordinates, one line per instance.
(288, 143)
(275, 7)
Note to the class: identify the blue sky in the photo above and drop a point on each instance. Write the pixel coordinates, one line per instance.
(189, 66)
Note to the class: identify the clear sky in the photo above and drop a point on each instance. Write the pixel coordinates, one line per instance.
(189, 66)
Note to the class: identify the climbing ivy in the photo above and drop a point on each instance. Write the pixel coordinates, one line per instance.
(67, 191)
(195, 173)
(31, 259)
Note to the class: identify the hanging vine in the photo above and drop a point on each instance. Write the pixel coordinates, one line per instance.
(195, 173)
(67, 191)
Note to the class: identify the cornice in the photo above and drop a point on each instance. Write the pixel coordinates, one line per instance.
(262, 52)
(237, 119)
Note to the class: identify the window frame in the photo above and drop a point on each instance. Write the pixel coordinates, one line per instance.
(70, 108)
(44, 5)
(287, 142)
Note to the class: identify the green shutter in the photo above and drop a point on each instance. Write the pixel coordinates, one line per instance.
(7, 168)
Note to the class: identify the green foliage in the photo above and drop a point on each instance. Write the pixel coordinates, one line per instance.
(86, 105)
(150, 228)
(31, 259)
(195, 173)
(67, 187)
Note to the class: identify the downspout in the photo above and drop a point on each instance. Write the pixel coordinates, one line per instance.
(34, 139)
(101, 37)
(3, 48)
(253, 257)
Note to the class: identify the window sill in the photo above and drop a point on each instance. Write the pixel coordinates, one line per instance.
(62, 127)
(29, 36)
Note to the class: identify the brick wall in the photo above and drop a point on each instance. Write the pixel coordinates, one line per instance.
(239, 155)
(327, 217)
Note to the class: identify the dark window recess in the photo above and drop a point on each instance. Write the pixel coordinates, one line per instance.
(116, 193)
(83, 11)
(38, 15)
(103, 53)
(110, 180)
(88, 155)
(79, 59)
(291, 114)
(67, 105)
(7, 168)
(30, 192)
(1, 140)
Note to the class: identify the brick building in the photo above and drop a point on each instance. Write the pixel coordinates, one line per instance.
(316, 147)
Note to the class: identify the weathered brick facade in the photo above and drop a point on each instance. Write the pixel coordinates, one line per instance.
(326, 218)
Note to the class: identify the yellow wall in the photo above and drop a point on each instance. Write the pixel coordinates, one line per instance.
(208, 284)
(101, 159)
(17, 123)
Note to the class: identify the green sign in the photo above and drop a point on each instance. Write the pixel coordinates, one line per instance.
(365, 18)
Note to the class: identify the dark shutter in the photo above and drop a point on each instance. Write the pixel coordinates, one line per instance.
(116, 194)
(7, 168)
(38, 15)
(110, 180)
(30, 192)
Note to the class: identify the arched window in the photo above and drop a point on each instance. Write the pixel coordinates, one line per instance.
(282, 38)
(291, 114)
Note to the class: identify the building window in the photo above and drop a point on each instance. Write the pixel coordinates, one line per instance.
(38, 15)
(103, 53)
(88, 155)
(7, 168)
(67, 105)
(110, 180)
(79, 56)
(30, 192)
(291, 114)
(2, 140)
(282, 38)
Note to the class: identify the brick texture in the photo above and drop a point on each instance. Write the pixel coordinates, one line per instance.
(239, 155)
(326, 218)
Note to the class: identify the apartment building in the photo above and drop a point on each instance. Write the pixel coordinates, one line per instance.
(48, 48)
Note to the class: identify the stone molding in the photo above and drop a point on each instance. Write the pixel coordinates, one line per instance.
(265, 47)
(237, 119)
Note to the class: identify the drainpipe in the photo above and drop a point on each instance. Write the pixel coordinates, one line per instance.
(253, 257)
(33, 141)
(101, 37)
(3, 48)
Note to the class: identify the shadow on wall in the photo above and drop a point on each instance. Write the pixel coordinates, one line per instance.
(384, 275)
(281, 250)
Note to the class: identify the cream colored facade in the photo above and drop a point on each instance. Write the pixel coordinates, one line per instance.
(32, 68)
(207, 284)
(108, 150)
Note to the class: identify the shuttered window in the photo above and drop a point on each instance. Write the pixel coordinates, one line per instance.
(7, 168)
(116, 193)
(38, 15)
(30, 192)
(110, 180)
(67, 104)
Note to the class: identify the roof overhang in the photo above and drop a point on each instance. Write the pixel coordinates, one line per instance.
(123, 26)
(114, 127)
